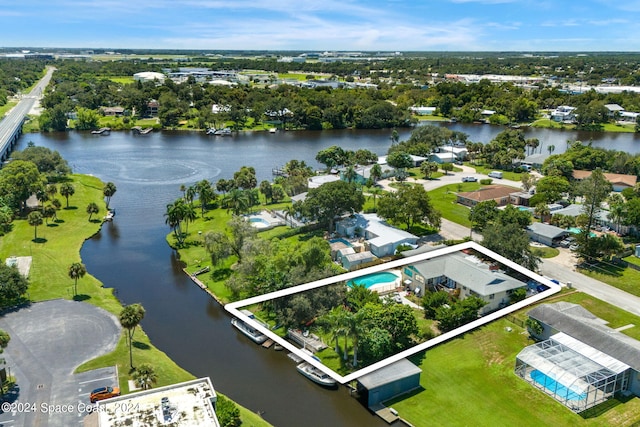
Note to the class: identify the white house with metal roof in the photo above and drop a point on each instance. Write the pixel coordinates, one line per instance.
(382, 238)
(464, 275)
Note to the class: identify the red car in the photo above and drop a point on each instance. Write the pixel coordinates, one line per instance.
(104, 393)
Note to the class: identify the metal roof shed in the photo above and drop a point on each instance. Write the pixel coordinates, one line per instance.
(385, 383)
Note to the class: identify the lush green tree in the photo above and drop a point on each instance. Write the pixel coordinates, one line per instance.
(130, 317)
(76, 271)
(447, 167)
(47, 161)
(4, 340)
(227, 412)
(174, 216)
(330, 200)
(359, 295)
(350, 174)
(517, 295)
(528, 181)
(512, 215)
(20, 179)
(332, 157)
(450, 317)
(245, 178)
(427, 168)
(206, 194)
(145, 376)
(334, 322)
(376, 172)
(92, 209)
(67, 190)
(542, 211)
(108, 191)
(483, 214)
(364, 157)
(13, 285)
(512, 242)
(409, 205)
(265, 188)
(236, 201)
(595, 189)
(87, 119)
(399, 160)
(552, 187)
(220, 245)
(35, 219)
(277, 193)
(432, 301)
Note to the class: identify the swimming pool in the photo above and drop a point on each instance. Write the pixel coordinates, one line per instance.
(576, 230)
(555, 387)
(258, 221)
(346, 242)
(375, 279)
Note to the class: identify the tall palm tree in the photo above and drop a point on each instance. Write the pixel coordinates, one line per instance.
(375, 192)
(188, 215)
(108, 191)
(206, 194)
(35, 219)
(92, 208)
(350, 174)
(334, 323)
(290, 213)
(236, 201)
(130, 317)
(542, 211)
(376, 172)
(174, 215)
(353, 322)
(67, 190)
(77, 271)
(190, 194)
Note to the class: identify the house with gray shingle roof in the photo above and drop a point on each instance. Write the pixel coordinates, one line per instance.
(463, 275)
(580, 361)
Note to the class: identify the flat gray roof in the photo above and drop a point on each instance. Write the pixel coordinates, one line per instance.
(389, 374)
(547, 230)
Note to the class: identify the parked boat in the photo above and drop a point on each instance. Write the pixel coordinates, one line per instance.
(110, 214)
(316, 375)
(219, 132)
(101, 131)
(273, 130)
(253, 334)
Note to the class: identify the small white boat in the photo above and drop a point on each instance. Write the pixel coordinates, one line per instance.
(316, 375)
(253, 334)
(273, 130)
(109, 216)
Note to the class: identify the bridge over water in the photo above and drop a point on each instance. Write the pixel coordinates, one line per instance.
(11, 124)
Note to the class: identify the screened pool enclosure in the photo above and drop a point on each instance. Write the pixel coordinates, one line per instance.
(573, 373)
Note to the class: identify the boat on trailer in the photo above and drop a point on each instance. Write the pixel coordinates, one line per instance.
(316, 375)
(247, 329)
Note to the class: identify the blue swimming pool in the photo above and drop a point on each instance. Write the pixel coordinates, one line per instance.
(258, 220)
(576, 230)
(555, 387)
(374, 279)
(346, 242)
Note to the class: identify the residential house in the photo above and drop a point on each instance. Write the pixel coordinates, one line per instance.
(423, 111)
(546, 234)
(563, 114)
(417, 160)
(152, 108)
(500, 193)
(460, 153)
(618, 181)
(388, 382)
(112, 111)
(363, 173)
(580, 361)
(352, 261)
(381, 238)
(614, 110)
(463, 275)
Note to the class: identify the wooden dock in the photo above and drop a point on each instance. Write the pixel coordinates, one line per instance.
(268, 343)
(385, 413)
(308, 341)
(202, 286)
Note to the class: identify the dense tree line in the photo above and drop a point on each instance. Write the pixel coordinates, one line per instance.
(18, 75)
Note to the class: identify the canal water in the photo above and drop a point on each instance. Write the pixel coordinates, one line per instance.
(130, 254)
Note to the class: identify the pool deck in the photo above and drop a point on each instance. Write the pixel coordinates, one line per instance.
(267, 220)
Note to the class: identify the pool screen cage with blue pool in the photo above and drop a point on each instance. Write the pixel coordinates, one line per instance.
(575, 374)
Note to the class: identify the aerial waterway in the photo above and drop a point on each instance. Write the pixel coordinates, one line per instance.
(131, 255)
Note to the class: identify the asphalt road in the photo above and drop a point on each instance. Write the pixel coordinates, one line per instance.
(49, 340)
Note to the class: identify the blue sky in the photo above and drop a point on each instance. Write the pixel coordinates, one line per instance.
(356, 25)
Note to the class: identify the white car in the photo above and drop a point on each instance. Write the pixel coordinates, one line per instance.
(469, 179)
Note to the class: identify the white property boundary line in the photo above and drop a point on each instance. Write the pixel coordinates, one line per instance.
(234, 307)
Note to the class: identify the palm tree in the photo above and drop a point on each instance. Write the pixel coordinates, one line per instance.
(109, 190)
(92, 208)
(51, 191)
(350, 174)
(190, 194)
(617, 209)
(188, 215)
(174, 216)
(205, 194)
(353, 322)
(35, 219)
(144, 376)
(183, 188)
(290, 213)
(551, 148)
(334, 323)
(237, 201)
(67, 190)
(542, 211)
(375, 172)
(77, 271)
(130, 317)
(375, 192)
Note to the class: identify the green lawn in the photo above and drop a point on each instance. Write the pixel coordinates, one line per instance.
(8, 106)
(626, 279)
(614, 127)
(57, 248)
(471, 381)
(545, 252)
(550, 124)
(444, 200)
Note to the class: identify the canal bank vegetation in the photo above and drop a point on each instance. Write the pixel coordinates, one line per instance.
(56, 247)
(478, 370)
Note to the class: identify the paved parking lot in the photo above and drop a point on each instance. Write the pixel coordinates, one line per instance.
(48, 341)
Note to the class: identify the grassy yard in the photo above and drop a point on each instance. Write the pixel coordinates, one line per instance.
(626, 279)
(471, 381)
(444, 200)
(57, 247)
(545, 251)
(8, 106)
(551, 124)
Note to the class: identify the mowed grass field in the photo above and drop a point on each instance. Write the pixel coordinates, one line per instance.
(470, 381)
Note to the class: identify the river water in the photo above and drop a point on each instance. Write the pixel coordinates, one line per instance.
(130, 254)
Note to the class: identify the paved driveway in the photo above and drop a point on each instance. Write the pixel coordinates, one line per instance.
(48, 341)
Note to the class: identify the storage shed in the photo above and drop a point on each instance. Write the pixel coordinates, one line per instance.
(388, 382)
